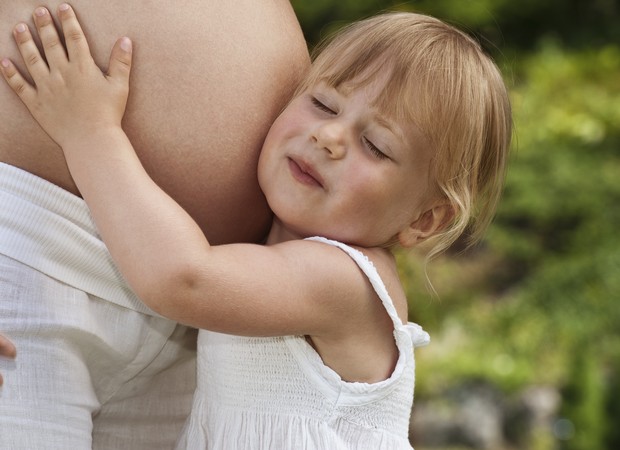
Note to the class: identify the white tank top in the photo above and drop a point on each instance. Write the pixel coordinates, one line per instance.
(276, 393)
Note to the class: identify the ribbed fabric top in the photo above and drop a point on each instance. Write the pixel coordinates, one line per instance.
(276, 393)
(51, 230)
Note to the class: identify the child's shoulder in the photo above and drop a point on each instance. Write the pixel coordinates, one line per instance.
(361, 346)
(335, 256)
(386, 266)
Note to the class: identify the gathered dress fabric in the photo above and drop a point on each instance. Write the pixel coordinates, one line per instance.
(276, 392)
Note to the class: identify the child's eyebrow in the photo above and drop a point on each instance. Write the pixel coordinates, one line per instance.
(384, 122)
(388, 124)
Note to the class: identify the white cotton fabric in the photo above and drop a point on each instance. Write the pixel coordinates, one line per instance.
(95, 368)
(51, 230)
(276, 393)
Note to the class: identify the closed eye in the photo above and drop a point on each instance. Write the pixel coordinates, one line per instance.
(374, 149)
(322, 106)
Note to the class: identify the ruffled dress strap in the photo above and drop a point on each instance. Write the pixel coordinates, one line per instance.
(418, 336)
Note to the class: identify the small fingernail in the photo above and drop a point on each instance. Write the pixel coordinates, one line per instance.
(5, 63)
(20, 27)
(63, 7)
(126, 44)
(40, 11)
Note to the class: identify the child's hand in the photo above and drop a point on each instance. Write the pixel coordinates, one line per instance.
(71, 96)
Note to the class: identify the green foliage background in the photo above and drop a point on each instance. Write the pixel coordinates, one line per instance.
(537, 303)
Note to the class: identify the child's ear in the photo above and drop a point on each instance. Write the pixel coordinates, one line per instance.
(429, 223)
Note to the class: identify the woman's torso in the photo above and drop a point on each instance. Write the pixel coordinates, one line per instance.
(209, 77)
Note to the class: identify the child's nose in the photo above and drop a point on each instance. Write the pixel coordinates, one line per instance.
(332, 137)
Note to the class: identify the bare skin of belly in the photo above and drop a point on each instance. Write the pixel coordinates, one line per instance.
(209, 77)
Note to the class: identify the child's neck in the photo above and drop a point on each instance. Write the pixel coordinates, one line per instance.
(280, 233)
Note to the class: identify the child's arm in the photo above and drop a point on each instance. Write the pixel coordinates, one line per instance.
(81, 109)
(242, 289)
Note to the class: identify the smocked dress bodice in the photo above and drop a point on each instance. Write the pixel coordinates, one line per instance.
(276, 393)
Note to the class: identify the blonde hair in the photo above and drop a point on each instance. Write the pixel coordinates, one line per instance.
(439, 79)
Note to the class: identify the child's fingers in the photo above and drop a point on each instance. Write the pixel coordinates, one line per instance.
(16, 81)
(120, 60)
(36, 65)
(54, 50)
(77, 47)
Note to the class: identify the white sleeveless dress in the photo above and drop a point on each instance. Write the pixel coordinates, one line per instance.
(276, 393)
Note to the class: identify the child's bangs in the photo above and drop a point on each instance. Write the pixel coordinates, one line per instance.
(360, 66)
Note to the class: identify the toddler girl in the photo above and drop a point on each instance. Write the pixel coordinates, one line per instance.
(398, 134)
